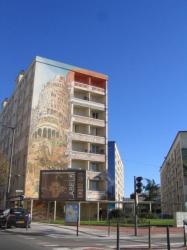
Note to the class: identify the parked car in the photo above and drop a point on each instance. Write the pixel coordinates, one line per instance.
(17, 217)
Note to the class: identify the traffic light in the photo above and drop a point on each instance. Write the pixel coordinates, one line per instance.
(139, 184)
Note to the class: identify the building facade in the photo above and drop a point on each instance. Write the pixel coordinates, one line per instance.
(115, 174)
(60, 117)
(173, 175)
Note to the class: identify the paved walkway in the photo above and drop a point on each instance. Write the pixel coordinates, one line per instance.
(100, 235)
(141, 230)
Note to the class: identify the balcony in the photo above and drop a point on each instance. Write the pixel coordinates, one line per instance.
(78, 155)
(88, 138)
(87, 103)
(88, 120)
(87, 87)
(100, 176)
(96, 168)
(95, 195)
(77, 164)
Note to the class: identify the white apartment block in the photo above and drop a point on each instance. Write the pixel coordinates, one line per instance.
(116, 174)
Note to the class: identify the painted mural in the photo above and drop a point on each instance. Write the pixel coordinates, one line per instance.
(50, 123)
(184, 158)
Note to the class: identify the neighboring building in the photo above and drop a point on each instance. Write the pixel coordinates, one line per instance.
(115, 174)
(173, 175)
(61, 120)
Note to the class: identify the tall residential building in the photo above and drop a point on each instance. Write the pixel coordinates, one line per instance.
(60, 117)
(173, 174)
(115, 174)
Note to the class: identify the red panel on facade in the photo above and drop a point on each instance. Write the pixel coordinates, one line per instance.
(81, 78)
(98, 82)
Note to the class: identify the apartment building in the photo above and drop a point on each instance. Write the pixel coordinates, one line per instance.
(59, 113)
(115, 174)
(173, 174)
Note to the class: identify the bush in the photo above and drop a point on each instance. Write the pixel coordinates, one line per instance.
(116, 213)
(149, 216)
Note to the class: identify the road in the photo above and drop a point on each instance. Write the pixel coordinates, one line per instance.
(52, 237)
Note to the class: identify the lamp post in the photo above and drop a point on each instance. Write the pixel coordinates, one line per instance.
(11, 160)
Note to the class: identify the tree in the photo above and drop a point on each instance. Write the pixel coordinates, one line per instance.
(152, 190)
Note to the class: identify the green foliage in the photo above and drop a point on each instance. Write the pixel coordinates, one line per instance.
(116, 213)
(152, 190)
(149, 215)
(126, 222)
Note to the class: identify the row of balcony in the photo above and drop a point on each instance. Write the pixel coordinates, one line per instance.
(88, 133)
(96, 178)
(88, 120)
(94, 113)
(89, 116)
(88, 147)
(88, 98)
(89, 108)
(86, 87)
(87, 156)
(88, 103)
(89, 166)
(88, 138)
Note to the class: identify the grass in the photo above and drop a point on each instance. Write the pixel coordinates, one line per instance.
(126, 222)
(158, 222)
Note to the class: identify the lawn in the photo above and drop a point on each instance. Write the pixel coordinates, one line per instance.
(124, 222)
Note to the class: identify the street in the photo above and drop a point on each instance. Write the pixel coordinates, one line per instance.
(54, 237)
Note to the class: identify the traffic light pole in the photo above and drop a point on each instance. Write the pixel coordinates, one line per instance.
(137, 190)
(135, 209)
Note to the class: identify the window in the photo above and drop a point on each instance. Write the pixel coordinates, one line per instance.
(76, 128)
(95, 115)
(93, 185)
(94, 166)
(86, 98)
(94, 131)
(95, 149)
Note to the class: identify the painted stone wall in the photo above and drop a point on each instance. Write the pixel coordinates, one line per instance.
(49, 145)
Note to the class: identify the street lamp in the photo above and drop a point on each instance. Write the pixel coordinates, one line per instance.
(11, 158)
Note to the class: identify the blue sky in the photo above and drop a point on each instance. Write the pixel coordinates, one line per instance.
(140, 44)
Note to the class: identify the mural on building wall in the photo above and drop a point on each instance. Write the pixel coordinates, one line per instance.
(184, 158)
(50, 123)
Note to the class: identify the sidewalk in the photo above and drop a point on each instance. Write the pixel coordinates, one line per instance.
(125, 232)
(141, 230)
(127, 239)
